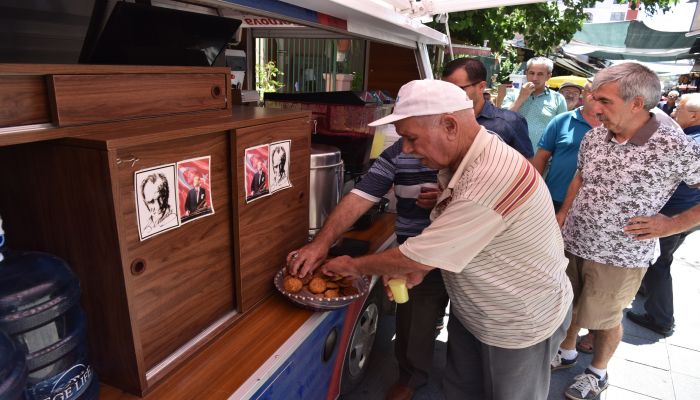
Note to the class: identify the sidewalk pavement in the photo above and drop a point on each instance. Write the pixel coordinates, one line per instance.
(645, 366)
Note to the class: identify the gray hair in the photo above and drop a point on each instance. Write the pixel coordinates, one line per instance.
(540, 61)
(674, 93)
(692, 101)
(634, 80)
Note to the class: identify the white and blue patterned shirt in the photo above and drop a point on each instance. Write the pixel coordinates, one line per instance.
(622, 181)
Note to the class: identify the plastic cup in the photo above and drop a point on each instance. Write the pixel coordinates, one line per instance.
(399, 290)
(429, 187)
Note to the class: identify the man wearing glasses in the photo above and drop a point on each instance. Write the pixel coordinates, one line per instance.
(535, 101)
(470, 75)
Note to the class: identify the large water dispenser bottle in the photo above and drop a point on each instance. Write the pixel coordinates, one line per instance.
(13, 370)
(39, 310)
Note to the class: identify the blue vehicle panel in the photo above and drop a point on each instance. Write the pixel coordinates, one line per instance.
(305, 375)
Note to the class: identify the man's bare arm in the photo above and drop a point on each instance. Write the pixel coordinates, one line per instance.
(539, 161)
(659, 225)
(571, 193)
(308, 258)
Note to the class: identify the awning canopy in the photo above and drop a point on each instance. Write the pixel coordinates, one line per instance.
(665, 68)
(629, 40)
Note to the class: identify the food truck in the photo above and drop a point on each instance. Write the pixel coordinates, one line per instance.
(123, 153)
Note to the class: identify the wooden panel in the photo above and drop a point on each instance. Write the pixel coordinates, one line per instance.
(188, 281)
(217, 371)
(59, 188)
(151, 130)
(270, 227)
(52, 69)
(390, 67)
(23, 100)
(220, 369)
(82, 99)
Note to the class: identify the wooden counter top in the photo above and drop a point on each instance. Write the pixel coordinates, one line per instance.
(147, 130)
(220, 368)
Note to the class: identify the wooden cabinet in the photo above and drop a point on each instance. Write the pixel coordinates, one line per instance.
(266, 227)
(150, 304)
(181, 280)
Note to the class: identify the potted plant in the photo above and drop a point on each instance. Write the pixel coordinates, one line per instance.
(266, 81)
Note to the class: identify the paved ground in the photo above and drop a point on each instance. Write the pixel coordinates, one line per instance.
(645, 366)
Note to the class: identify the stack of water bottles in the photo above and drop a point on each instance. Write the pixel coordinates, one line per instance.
(42, 330)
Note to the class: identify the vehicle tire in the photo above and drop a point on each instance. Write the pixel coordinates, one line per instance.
(361, 342)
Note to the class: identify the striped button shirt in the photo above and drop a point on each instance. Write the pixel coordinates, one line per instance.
(407, 175)
(496, 239)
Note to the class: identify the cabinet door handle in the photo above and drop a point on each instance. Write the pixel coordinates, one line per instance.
(138, 266)
(132, 159)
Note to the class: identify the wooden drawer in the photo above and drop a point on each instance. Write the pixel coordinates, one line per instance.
(84, 99)
(23, 100)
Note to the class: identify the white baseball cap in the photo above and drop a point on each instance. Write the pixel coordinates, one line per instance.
(426, 97)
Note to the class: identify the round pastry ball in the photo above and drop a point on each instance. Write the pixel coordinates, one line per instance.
(292, 284)
(317, 285)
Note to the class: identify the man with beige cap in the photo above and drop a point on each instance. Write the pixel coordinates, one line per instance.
(495, 238)
(572, 94)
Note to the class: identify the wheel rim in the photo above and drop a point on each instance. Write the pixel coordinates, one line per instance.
(363, 339)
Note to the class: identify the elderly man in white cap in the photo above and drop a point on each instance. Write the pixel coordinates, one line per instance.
(495, 238)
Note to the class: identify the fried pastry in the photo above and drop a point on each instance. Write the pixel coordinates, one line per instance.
(345, 282)
(332, 285)
(292, 284)
(317, 285)
(349, 291)
(331, 293)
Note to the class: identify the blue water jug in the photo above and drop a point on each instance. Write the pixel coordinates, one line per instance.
(39, 310)
(13, 370)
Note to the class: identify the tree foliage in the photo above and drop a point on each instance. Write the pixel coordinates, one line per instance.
(543, 25)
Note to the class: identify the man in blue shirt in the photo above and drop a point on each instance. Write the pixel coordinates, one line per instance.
(470, 75)
(535, 101)
(560, 142)
(657, 281)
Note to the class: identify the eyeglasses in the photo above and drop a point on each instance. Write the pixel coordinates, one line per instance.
(469, 85)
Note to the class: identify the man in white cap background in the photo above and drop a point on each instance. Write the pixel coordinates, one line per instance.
(495, 238)
(572, 94)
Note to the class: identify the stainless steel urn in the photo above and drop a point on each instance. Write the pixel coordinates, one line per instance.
(325, 186)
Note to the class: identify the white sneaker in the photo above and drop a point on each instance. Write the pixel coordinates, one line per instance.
(587, 386)
(559, 362)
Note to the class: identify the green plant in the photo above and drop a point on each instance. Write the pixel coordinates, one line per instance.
(358, 82)
(544, 25)
(508, 62)
(266, 81)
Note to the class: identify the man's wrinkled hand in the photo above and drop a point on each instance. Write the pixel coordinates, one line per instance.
(561, 218)
(306, 259)
(427, 199)
(412, 279)
(645, 228)
(527, 89)
(342, 266)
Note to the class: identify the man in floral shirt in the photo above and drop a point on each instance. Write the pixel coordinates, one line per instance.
(627, 170)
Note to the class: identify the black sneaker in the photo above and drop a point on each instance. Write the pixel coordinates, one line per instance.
(560, 362)
(587, 386)
(646, 321)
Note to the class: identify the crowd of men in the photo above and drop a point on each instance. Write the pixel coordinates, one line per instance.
(525, 261)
